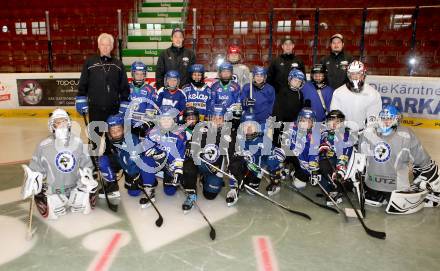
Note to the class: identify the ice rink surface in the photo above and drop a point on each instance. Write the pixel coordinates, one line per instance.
(253, 235)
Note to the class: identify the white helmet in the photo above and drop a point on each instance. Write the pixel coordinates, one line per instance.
(62, 132)
(356, 73)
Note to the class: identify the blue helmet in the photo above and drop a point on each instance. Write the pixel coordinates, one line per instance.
(169, 75)
(389, 119)
(258, 70)
(197, 68)
(139, 66)
(247, 120)
(115, 120)
(225, 66)
(306, 114)
(296, 74)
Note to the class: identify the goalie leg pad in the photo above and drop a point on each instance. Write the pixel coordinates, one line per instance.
(406, 202)
(432, 199)
(79, 201)
(427, 177)
(56, 205)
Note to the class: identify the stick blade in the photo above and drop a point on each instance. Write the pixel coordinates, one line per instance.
(159, 221)
(376, 234)
(299, 213)
(212, 234)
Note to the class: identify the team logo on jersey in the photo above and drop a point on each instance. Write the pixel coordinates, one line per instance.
(294, 65)
(235, 78)
(185, 61)
(211, 153)
(65, 161)
(382, 152)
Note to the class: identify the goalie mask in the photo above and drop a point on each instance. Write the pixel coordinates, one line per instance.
(138, 73)
(115, 125)
(356, 74)
(296, 79)
(389, 120)
(60, 124)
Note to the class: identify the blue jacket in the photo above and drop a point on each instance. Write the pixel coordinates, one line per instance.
(264, 101)
(310, 93)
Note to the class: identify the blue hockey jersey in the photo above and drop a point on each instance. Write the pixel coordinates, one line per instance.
(175, 99)
(199, 98)
(226, 95)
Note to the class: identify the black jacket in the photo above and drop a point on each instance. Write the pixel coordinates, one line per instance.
(104, 81)
(288, 103)
(173, 58)
(337, 68)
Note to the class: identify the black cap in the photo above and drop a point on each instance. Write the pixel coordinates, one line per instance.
(177, 29)
(287, 38)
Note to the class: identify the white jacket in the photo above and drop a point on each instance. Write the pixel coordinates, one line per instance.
(357, 107)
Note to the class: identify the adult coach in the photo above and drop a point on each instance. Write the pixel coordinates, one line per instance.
(175, 58)
(337, 62)
(287, 102)
(103, 83)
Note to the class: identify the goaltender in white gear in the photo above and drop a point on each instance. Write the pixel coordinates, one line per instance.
(390, 150)
(359, 101)
(60, 172)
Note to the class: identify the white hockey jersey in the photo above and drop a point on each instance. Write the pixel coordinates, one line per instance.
(357, 107)
(389, 157)
(59, 163)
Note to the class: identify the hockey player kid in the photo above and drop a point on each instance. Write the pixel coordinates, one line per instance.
(318, 92)
(128, 151)
(390, 149)
(60, 172)
(164, 148)
(263, 96)
(213, 142)
(198, 93)
(335, 148)
(252, 154)
(359, 102)
(141, 100)
(240, 72)
(170, 94)
(299, 141)
(226, 93)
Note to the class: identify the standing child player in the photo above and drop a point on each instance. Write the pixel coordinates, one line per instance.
(60, 162)
(263, 96)
(198, 93)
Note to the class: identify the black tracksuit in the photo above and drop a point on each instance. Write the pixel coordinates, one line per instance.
(288, 103)
(104, 81)
(336, 65)
(173, 58)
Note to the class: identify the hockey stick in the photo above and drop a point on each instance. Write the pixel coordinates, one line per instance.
(30, 231)
(372, 233)
(212, 233)
(334, 202)
(257, 192)
(251, 92)
(159, 220)
(111, 206)
(296, 190)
